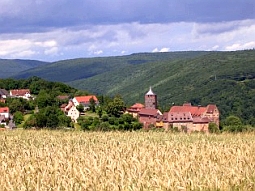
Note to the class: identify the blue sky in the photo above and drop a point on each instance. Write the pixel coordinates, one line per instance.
(52, 30)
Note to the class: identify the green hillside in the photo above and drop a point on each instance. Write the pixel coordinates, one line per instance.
(84, 68)
(224, 78)
(13, 67)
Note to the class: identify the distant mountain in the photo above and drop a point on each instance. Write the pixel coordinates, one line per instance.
(10, 67)
(200, 77)
(84, 68)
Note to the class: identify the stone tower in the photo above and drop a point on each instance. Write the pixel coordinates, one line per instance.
(150, 100)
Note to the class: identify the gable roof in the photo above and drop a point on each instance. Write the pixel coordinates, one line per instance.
(179, 117)
(19, 92)
(137, 105)
(63, 97)
(3, 92)
(194, 110)
(85, 99)
(149, 112)
(4, 110)
(211, 108)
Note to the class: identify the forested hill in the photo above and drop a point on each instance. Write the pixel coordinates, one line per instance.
(10, 67)
(223, 78)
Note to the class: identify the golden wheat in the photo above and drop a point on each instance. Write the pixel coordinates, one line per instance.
(52, 160)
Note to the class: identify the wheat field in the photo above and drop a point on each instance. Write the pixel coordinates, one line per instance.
(58, 160)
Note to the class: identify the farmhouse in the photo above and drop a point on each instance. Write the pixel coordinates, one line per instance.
(85, 101)
(22, 93)
(71, 111)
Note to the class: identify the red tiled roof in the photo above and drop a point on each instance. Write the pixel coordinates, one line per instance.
(151, 112)
(179, 117)
(211, 108)
(62, 97)
(194, 110)
(85, 99)
(137, 105)
(20, 92)
(201, 120)
(4, 110)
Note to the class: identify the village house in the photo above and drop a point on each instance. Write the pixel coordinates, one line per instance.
(85, 101)
(71, 111)
(21, 93)
(135, 109)
(3, 94)
(4, 115)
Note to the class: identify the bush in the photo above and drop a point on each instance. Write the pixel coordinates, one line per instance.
(213, 128)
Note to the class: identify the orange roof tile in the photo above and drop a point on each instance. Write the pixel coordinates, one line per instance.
(20, 92)
(4, 110)
(211, 108)
(148, 112)
(194, 110)
(85, 99)
(137, 105)
(179, 117)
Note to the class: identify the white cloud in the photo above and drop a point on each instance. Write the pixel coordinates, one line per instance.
(51, 51)
(108, 40)
(249, 45)
(161, 50)
(98, 52)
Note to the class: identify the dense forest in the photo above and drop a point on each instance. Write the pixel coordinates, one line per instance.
(226, 79)
(43, 109)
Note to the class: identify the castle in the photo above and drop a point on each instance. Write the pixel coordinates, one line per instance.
(186, 118)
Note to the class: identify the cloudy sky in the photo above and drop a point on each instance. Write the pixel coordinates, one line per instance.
(52, 30)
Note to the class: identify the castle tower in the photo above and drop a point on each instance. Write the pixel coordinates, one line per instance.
(150, 100)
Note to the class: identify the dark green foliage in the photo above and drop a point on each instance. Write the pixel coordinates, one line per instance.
(36, 84)
(13, 67)
(80, 108)
(233, 124)
(226, 79)
(116, 107)
(213, 128)
(48, 117)
(92, 104)
(18, 117)
(19, 104)
(107, 123)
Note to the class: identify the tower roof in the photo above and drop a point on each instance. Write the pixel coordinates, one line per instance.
(150, 92)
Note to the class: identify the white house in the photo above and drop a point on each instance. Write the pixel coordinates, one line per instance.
(23, 93)
(84, 100)
(71, 111)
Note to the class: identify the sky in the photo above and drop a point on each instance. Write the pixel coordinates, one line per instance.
(52, 30)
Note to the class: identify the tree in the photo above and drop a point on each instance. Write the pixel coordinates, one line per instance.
(213, 128)
(92, 104)
(116, 107)
(18, 117)
(80, 108)
(233, 124)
